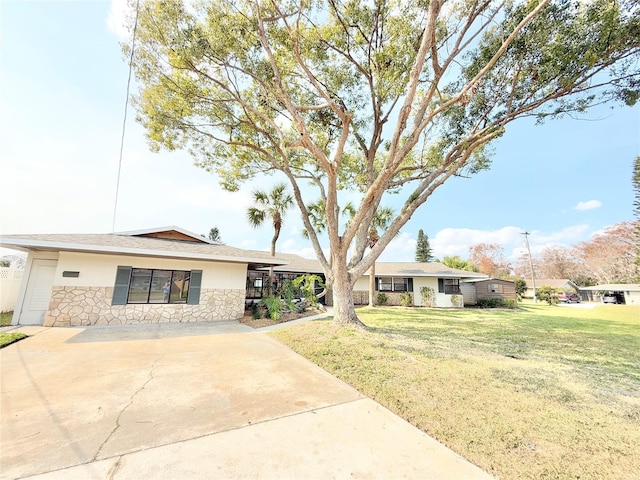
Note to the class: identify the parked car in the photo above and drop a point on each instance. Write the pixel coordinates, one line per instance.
(568, 297)
(613, 298)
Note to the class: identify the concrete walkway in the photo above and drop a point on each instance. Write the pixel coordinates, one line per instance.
(195, 401)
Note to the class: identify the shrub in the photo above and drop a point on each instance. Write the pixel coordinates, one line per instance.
(548, 294)
(456, 301)
(307, 286)
(428, 296)
(255, 311)
(405, 299)
(288, 292)
(382, 299)
(273, 306)
(496, 303)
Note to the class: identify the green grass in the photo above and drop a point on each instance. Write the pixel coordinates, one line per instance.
(541, 392)
(9, 338)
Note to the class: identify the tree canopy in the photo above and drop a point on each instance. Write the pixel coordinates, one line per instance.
(370, 97)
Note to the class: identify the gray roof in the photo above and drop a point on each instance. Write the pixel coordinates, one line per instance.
(298, 264)
(423, 269)
(476, 280)
(552, 282)
(133, 244)
(615, 287)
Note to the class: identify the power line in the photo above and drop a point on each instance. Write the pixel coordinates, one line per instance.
(533, 276)
(124, 120)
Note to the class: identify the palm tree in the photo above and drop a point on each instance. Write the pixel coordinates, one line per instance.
(214, 235)
(381, 220)
(272, 205)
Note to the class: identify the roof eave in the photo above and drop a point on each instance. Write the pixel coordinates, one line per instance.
(28, 245)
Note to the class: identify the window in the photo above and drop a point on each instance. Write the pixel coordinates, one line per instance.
(449, 286)
(495, 287)
(385, 285)
(145, 285)
(394, 284)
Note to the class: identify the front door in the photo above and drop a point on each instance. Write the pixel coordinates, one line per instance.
(38, 293)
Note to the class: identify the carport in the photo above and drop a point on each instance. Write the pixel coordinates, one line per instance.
(629, 291)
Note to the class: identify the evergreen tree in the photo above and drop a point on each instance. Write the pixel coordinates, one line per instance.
(423, 250)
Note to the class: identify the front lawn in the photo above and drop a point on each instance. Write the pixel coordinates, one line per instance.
(540, 392)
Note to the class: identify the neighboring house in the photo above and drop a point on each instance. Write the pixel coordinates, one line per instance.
(147, 276)
(629, 291)
(394, 278)
(477, 288)
(563, 284)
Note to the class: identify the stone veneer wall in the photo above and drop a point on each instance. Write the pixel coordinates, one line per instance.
(361, 297)
(80, 306)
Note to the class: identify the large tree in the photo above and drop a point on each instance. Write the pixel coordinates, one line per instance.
(375, 97)
(609, 256)
(559, 262)
(489, 258)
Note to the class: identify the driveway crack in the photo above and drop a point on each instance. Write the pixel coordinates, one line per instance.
(124, 409)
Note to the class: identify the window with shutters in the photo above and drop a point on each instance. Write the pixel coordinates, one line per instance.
(394, 284)
(146, 285)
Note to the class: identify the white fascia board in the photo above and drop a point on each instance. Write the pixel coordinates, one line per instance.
(24, 244)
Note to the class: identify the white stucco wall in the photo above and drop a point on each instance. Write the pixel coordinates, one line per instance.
(362, 283)
(100, 270)
(86, 299)
(631, 297)
(442, 300)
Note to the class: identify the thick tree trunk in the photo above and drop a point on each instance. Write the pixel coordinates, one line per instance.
(344, 311)
(372, 285)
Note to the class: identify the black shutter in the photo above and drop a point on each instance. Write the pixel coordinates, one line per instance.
(441, 285)
(409, 284)
(121, 288)
(377, 284)
(193, 298)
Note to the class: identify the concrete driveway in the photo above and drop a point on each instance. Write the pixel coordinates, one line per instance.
(195, 401)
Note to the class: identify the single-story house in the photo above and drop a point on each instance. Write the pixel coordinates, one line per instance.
(630, 291)
(146, 276)
(563, 284)
(395, 278)
(392, 279)
(169, 274)
(477, 288)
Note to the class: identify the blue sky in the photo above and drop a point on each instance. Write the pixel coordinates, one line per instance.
(62, 94)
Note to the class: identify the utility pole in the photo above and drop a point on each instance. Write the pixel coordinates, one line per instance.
(533, 276)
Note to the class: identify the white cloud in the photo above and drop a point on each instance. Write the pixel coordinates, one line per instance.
(401, 249)
(588, 205)
(457, 241)
(116, 20)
